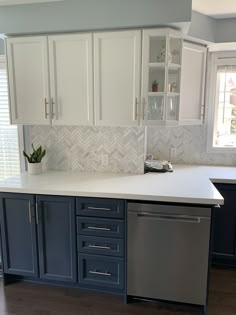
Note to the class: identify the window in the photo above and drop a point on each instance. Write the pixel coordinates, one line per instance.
(222, 131)
(9, 134)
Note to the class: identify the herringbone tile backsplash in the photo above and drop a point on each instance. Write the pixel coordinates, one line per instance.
(190, 143)
(81, 148)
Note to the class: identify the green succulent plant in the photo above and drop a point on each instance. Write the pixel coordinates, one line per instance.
(36, 156)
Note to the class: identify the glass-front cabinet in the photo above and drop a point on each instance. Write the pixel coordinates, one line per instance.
(161, 73)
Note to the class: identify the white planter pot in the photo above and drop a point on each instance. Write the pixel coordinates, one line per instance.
(34, 168)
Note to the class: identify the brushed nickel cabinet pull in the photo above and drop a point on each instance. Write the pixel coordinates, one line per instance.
(53, 103)
(30, 218)
(136, 108)
(98, 228)
(99, 247)
(37, 213)
(45, 108)
(144, 107)
(99, 208)
(100, 273)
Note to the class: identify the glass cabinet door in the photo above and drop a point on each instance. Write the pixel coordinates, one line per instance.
(162, 56)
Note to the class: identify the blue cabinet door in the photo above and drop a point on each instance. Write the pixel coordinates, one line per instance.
(224, 227)
(56, 238)
(18, 232)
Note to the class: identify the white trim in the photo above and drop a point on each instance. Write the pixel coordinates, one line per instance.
(215, 59)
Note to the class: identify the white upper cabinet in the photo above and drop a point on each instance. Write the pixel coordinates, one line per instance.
(70, 63)
(28, 80)
(51, 79)
(117, 62)
(161, 73)
(192, 93)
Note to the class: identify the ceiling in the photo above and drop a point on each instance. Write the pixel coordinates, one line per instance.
(216, 8)
(15, 2)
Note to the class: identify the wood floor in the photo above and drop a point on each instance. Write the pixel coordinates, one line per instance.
(34, 299)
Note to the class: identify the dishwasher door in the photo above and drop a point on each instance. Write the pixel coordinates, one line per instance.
(168, 252)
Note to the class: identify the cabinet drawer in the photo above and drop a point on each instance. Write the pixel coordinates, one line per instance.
(100, 245)
(107, 272)
(100, 207)
(100, 227)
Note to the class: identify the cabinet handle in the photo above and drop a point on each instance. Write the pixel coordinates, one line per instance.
(98, 228)
(98, 208)
(170, 217)
(100, 273)
(45, 108)
(136, 108)
(30, 218)
(144, 106)
(203, 112)
(53, 103)
(37, 213)
(99, 247)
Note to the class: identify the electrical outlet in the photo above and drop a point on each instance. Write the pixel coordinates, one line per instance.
(104, 159)
(172, 152)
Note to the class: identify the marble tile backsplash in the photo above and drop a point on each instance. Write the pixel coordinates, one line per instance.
(190, 143)
(81, 148)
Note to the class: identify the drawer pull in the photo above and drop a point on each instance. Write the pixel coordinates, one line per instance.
(100, 273)
(98, 228)
(99, 247)
(97, 208)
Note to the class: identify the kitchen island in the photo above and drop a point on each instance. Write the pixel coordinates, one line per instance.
(72, 228)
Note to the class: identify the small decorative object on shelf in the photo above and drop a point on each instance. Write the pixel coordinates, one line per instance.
(154, 86)
(35, 160)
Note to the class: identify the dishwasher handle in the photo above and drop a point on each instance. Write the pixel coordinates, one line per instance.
(170, 217)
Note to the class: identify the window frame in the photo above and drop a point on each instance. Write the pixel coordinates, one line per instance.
(216, 59)
(20, 128)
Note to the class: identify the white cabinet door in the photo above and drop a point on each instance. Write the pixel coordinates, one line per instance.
(28, 80)
(192, 83)
(71, 79)
(117, 77)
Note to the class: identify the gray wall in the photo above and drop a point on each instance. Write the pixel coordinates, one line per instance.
(2, 51)
(202, 27)
(72, 15)
(226, 30)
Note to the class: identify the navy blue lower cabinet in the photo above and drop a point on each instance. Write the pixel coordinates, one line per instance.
(100, 271)
(224, 227)
(18, 233)
(55, 216)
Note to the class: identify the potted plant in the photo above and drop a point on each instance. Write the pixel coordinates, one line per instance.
(35, 160)
(154, 86)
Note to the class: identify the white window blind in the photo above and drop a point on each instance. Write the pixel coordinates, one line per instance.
(9, 140)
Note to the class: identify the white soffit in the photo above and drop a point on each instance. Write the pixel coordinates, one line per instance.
(215, 8)
(17, 2)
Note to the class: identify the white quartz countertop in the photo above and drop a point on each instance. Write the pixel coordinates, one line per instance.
(187, 184)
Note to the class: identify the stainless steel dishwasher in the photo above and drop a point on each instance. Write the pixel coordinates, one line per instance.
(168, 252)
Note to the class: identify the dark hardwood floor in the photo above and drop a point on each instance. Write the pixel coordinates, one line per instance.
(28, 298)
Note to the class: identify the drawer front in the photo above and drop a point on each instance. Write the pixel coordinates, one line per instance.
(106, 272)
(100, 245)
(100, 207)
(100, 227)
